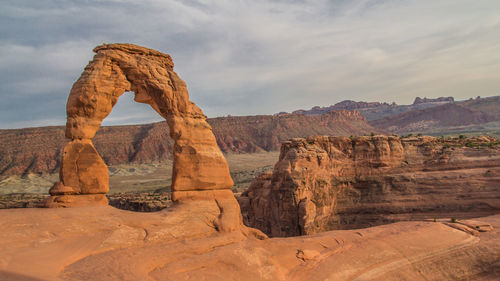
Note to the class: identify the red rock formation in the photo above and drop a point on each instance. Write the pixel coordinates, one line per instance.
(200, 170)
(325, 183)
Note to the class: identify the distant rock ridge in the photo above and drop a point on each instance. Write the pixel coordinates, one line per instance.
(38, 150)
(419, 100)
(352, 105)
(324, 183)
(376, 110)
(448, 114)
(343, 105)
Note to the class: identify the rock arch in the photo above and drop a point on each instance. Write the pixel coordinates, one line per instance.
(200, 170)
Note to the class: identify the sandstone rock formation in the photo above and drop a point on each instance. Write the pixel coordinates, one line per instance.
(200, 170)
(325, 183)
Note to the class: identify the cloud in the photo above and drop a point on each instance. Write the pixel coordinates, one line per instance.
(253, 57)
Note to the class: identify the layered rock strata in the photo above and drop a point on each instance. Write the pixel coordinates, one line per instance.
(199, 171)
(325, 183)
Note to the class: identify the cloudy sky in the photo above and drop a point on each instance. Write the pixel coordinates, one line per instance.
(252, 57)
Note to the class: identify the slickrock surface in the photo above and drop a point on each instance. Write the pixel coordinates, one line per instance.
(326, 183)
(103, 243)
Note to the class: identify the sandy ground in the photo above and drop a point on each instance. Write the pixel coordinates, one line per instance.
(180, 243)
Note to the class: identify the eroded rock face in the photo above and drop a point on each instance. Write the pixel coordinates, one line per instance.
(82, 170)
(325, 183)
(116, 68)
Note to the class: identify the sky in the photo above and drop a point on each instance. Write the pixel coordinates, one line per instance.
(252, 57)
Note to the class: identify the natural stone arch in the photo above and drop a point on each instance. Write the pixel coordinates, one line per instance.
(200, 170)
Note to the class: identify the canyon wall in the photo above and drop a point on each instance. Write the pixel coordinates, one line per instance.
(324, 183)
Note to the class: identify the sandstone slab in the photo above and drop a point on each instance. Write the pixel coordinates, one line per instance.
(103, 243)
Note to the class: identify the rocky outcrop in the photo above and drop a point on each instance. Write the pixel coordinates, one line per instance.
(324, 183)
(419, 100)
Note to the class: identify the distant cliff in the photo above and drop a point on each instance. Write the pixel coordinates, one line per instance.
(266, 132)
(377, 110)
(38, 150)
(324, 183)
(442, 116)
(419, 100)
(343, 105)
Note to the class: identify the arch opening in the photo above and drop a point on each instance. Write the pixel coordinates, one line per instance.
(127, 111)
